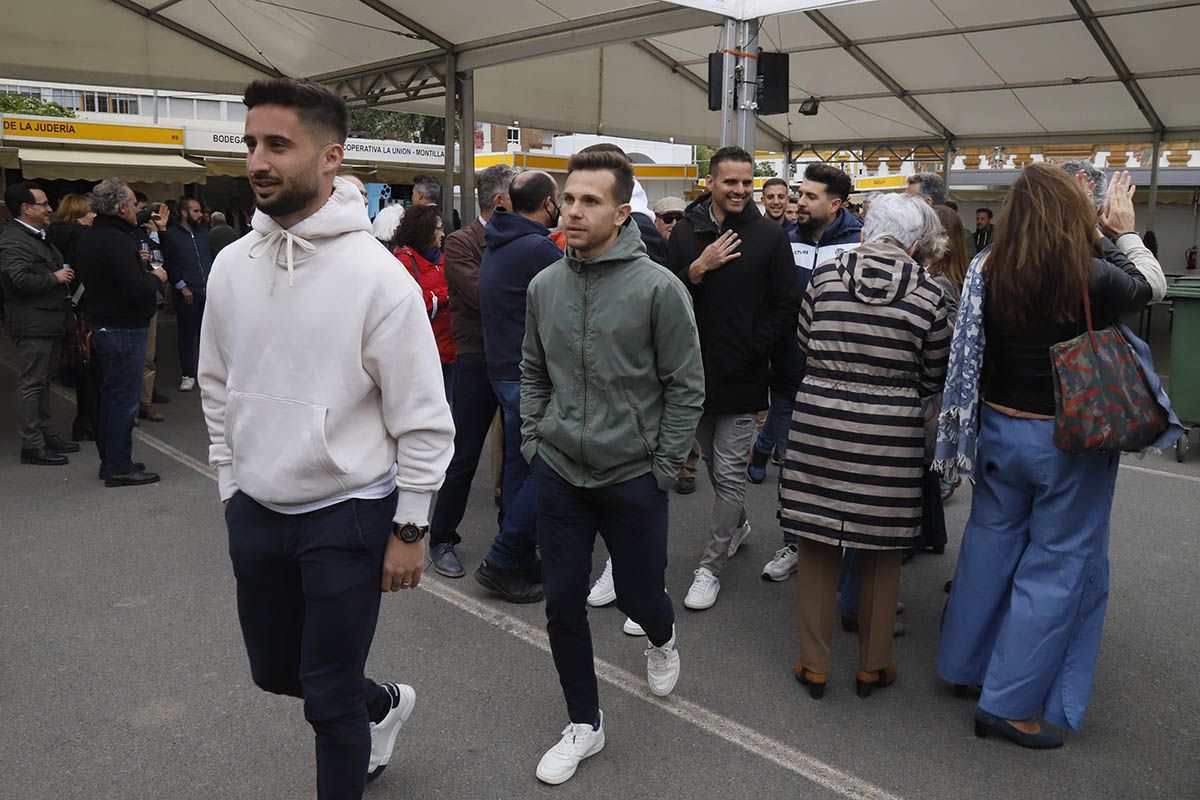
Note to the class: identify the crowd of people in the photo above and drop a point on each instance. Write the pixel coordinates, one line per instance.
(608, 347)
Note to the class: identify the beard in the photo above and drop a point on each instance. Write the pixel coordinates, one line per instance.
(295, 196)
(812, 222)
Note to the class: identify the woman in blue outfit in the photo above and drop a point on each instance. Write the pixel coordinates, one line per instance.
(1027, 606)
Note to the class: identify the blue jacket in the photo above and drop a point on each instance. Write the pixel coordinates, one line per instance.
(845, 229)
(187, 257)
(517, 249)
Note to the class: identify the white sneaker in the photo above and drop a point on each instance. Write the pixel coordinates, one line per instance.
(578, 742)
(383, 733)
(662, 667)
(603, 590)
(782, 565)
(632, 628)
(704, 590)
(739, 535)
(187, 384)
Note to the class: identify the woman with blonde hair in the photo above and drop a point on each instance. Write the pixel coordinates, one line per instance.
(1027, 604)
(73, 214)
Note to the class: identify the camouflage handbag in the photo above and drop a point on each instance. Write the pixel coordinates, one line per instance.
(1102, 402)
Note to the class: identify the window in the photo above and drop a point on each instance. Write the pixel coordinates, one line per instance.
(111, 103)
(208, 109)
(235, 112)
(67, 98)
(514, 136)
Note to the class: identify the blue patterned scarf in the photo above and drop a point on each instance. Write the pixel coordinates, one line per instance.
(958, 424)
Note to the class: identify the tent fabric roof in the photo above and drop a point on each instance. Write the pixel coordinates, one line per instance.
(886, 71)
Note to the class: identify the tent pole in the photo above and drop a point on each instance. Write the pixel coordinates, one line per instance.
(747, 107)
(728, 81)
(466, 145)
(1153, 202)
(449, 80)
(789, 164)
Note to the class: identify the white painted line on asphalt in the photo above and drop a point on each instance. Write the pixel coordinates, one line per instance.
(750, 740)
(1162, 473)
(796, 761)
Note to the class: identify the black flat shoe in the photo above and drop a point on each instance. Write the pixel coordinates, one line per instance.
(1044, 739)
(44, 457)
(514, 585)
(159, 398)
(137, 467)
(136, 478)
(57, 444)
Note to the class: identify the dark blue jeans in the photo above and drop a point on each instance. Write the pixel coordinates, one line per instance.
(515, 546)
(473, 407)
(188, 317)
(122, 355)
(632, 518)
(308, 600)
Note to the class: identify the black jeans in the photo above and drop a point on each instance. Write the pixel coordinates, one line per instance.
(632, 518)
(38, 358)
(189, 316)
(308, 600)
(474, 406)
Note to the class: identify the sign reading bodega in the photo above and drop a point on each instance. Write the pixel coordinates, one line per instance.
(79, 132)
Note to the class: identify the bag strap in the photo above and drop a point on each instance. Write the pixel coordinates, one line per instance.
(413, 268)
(1087, 313)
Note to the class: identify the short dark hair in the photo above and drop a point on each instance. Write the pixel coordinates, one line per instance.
(837, 183)
(774, 182)
(932, 186)
(604, 147)
(528, 191)
(319, 108)
(731, 153)
(950, 204)
(601, 160)
(18, 194)
(417, 228)
(793, 198)
(185, 201)
(987, 211)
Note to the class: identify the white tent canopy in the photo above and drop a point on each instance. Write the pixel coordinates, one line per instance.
(888, 71)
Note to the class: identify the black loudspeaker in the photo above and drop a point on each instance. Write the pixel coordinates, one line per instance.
(715, 75)
(772, 93)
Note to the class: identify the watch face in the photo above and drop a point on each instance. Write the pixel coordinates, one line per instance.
(409, 533)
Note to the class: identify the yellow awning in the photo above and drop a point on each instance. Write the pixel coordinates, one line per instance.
(93, 165)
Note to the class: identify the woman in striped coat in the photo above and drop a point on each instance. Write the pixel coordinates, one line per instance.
(873, 325)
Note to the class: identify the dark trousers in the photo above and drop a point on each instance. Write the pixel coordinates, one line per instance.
(632, 518)
(189, 316)
(122, 356)
(37, 358)
(473, 407)
(515, 546)
(308, 600)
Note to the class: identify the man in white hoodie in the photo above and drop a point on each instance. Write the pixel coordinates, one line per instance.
(329, 429)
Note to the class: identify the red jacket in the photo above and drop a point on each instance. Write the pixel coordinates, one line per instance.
(432, 280)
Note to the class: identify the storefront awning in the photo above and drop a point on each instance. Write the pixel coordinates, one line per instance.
(74, 165)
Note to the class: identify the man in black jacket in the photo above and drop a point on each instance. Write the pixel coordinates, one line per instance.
(38, 314)
(122, 298)
(738, 266)
(187, 254)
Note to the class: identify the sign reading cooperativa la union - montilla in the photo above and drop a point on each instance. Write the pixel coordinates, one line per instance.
(382, 151)
(73, 131)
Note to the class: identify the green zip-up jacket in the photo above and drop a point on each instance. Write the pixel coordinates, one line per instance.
(612, 384)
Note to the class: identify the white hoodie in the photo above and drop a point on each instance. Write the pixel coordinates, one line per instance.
(319, 372)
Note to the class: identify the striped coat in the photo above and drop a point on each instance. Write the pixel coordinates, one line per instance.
(873, 325)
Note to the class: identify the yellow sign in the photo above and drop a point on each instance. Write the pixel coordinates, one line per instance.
(878, 184)
(55, 129)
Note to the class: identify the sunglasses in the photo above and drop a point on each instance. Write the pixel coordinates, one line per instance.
(671, 218)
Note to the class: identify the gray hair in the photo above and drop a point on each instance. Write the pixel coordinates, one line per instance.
(217, 218)
(932, 186)
(1094, 174)
(493, 182)
(109, 194)
(430, 188)
(901, 218)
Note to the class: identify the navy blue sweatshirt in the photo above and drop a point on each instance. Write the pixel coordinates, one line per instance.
(187, 257)
(517, 249)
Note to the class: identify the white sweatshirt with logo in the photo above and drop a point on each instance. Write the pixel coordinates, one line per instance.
(319, 373)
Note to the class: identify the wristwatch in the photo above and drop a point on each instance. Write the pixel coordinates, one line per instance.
(408, 532)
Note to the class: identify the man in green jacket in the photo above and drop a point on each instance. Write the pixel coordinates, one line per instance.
(612, 387)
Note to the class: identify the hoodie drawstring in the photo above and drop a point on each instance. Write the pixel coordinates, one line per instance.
(277, 239)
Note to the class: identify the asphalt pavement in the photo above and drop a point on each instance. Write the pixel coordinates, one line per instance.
(123, 673)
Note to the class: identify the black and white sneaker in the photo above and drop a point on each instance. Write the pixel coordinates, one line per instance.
(383, 733)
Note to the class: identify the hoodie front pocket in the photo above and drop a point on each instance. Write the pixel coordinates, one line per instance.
(280, 451)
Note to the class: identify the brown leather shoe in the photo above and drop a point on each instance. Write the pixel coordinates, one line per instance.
(685, 485)
(150, 413)
(875, 679)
